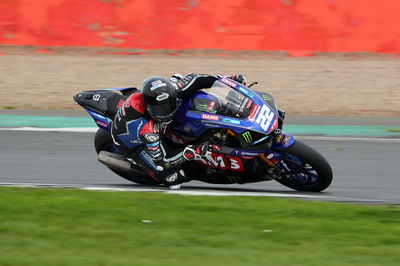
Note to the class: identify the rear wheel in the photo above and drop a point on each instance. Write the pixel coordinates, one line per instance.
(309, 171)
(103, 142)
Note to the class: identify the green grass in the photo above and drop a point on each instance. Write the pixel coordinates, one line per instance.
(71, 227)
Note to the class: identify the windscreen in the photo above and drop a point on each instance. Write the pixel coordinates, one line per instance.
(224, 100)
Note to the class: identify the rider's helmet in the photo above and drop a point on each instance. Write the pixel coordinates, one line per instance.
(161, 97)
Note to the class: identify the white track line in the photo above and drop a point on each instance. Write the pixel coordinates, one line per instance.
(183, 191)
(335, 138)
(191, 192)
(304, 137)
(53, 129)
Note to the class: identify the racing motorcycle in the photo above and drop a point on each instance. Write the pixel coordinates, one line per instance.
(245, 124)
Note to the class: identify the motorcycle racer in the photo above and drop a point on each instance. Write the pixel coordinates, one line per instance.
(141, 123)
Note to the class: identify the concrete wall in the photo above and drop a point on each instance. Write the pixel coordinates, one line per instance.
(290, 25)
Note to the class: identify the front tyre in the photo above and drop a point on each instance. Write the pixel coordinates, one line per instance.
(103, 142)
(309, 171)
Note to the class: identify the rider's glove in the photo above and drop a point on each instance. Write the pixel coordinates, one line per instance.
(206, 148)
(176, 77)
(192, 153)
(239, 78)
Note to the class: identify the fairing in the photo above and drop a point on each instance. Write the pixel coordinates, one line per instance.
(227, 104)
(101, 121)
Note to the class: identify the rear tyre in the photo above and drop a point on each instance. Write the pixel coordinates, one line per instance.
(103, 142)
(311, 171)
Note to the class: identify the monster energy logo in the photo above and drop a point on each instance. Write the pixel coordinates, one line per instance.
(247, 137)
(266, 97)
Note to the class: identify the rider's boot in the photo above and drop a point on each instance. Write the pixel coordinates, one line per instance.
(174, 180)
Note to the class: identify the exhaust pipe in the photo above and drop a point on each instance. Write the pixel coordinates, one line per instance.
(118, 163)
(114, 161)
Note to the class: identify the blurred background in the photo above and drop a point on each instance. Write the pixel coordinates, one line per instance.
(331, 57)
(274, 25)
(332, 65)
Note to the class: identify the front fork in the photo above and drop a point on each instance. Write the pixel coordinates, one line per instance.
(278, 168)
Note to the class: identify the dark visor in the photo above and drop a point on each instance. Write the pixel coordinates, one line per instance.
(163, 111)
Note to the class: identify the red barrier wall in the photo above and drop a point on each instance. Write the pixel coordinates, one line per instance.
(298, 25)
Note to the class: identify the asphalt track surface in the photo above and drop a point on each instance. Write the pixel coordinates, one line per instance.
(366, 170)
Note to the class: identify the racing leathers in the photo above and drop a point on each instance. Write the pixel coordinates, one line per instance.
(140, 138)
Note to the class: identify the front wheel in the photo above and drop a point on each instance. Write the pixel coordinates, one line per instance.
(308, 170)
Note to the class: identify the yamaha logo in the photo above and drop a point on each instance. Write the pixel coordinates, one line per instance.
(96, 97)
(151, 137)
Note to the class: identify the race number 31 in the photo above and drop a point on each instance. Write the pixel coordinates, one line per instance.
(265, 117)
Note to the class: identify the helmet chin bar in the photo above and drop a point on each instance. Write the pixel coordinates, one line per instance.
(166, 123)
(164, 120)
